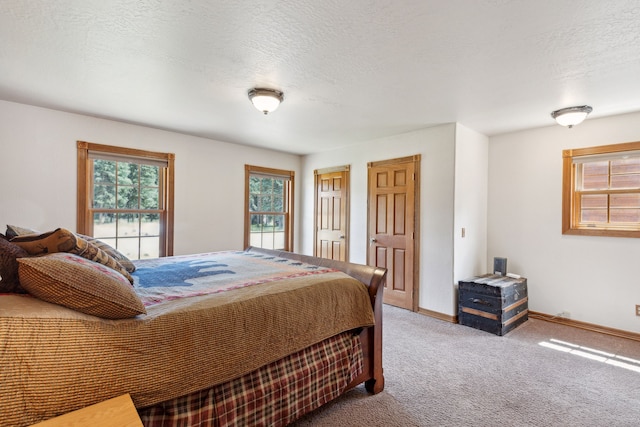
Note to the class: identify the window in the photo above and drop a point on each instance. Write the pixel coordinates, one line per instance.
(601, 191)
(268, 221)
(125, 198)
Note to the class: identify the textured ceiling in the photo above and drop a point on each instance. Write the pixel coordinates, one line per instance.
(350, 70)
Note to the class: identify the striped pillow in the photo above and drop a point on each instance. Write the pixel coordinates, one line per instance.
(116, 254)
(80, 284)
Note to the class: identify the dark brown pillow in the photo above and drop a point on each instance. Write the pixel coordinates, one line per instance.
(63, 240)
(9, 281)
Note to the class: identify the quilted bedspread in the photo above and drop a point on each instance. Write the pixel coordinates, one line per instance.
(165, 279)
(232, 313)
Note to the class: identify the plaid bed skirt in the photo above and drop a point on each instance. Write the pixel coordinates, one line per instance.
(274, 395)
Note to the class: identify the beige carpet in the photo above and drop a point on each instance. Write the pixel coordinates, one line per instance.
(540, 374)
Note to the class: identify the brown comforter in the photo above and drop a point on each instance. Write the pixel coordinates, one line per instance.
(54, 360)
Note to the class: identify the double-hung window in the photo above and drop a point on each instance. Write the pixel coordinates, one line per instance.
(601, 191)
(125, 198)
(268, 208)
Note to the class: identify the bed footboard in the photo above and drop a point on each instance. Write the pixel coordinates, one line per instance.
(374, 278)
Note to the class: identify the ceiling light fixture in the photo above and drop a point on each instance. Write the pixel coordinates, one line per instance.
(571, 116)
(266, 100)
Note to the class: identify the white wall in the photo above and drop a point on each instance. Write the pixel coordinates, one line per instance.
(436, 145)
(471, 189)
(38, 174)
(596, 279)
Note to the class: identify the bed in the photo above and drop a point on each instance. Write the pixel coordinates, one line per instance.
(253, 337)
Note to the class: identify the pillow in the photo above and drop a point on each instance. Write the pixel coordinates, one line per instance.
(110, 250)
(80, 284)
(13, 231)
(62, 240)
(9, 252)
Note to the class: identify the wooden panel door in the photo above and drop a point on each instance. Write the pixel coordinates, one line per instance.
(332, 208)
(393, 213)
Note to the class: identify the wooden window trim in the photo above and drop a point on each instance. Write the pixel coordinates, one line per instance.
(248, 170)
(570, 203)
(83, 219)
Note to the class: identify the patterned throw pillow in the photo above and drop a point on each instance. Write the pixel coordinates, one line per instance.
(14, 230)
(9, 281)
(63, 240)
(80, 284)
(54, 241)
(116, 254)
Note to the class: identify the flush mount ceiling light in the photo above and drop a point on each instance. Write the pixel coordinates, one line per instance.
(571, 116)
(266, 100)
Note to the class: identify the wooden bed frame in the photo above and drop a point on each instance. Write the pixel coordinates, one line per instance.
(371, 338)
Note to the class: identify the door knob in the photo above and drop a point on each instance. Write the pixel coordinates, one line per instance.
(372, 240)
(342, 236)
